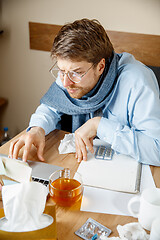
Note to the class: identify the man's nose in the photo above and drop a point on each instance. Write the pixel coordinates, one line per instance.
(66, 81)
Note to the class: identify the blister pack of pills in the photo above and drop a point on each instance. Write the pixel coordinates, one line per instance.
(92, 230)
(104, 153)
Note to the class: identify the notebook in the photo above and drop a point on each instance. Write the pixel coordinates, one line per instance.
(122, 173)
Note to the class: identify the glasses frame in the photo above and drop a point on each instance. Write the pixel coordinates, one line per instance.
(67, 73)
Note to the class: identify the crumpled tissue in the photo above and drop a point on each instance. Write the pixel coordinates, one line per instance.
(130, 231)
(24, 204)
(67, 144)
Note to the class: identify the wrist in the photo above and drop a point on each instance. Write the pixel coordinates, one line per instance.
(95, 122)
(37, 129)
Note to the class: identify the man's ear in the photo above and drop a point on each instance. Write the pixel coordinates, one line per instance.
(101, 66)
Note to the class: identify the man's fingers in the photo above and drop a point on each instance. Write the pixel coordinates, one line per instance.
(36, 137)
(26, 151)
(40, 150)
(81, 151)
(89, 144)
(11, 148)
(78, 154)
(17, 146)
(78, 150)
(91, 141)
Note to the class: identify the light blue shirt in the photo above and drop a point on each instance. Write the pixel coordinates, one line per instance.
(131, 120)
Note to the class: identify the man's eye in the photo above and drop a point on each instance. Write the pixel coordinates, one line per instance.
(79, 73)
(62, 72)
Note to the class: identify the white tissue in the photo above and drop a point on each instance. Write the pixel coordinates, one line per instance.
(24, 204)
(130, 231)
(67, 144)
(112, 238)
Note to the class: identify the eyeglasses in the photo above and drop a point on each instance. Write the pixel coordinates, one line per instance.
(73, 76)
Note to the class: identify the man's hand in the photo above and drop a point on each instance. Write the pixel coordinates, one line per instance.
(84, 138)
(35, 136)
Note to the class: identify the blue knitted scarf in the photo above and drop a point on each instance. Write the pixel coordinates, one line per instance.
(80, 109)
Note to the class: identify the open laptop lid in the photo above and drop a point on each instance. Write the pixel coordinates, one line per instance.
(40, 170)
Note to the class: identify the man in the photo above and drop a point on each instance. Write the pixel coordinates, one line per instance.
(111, 96)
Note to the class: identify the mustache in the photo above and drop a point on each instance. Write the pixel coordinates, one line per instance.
(73, 87)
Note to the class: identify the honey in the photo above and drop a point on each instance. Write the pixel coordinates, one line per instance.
(66, 191)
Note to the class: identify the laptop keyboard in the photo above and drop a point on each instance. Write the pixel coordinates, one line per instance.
(43, 181)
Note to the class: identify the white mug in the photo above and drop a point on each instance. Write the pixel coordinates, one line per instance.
(155, 230)
(149, 208)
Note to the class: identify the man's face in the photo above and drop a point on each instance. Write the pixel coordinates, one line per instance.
(88, 81)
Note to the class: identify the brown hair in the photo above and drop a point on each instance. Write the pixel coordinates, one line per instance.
(82, 40)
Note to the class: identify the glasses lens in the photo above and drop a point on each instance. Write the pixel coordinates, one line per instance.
(54, 72)
(75, 77)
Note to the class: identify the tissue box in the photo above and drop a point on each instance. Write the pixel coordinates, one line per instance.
(44, 233)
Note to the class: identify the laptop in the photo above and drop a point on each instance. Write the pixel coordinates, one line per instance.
(40, 170)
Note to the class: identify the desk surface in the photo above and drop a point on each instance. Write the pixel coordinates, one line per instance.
(70, 219)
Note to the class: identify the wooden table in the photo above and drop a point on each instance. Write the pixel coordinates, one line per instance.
(70, 219)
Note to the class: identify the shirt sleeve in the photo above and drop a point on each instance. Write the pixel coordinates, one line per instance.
(45, 117)
(141, 137)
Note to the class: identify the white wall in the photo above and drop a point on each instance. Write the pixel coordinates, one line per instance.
(24, 75)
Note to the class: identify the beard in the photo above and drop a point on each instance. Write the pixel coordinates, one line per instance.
(77, 92)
